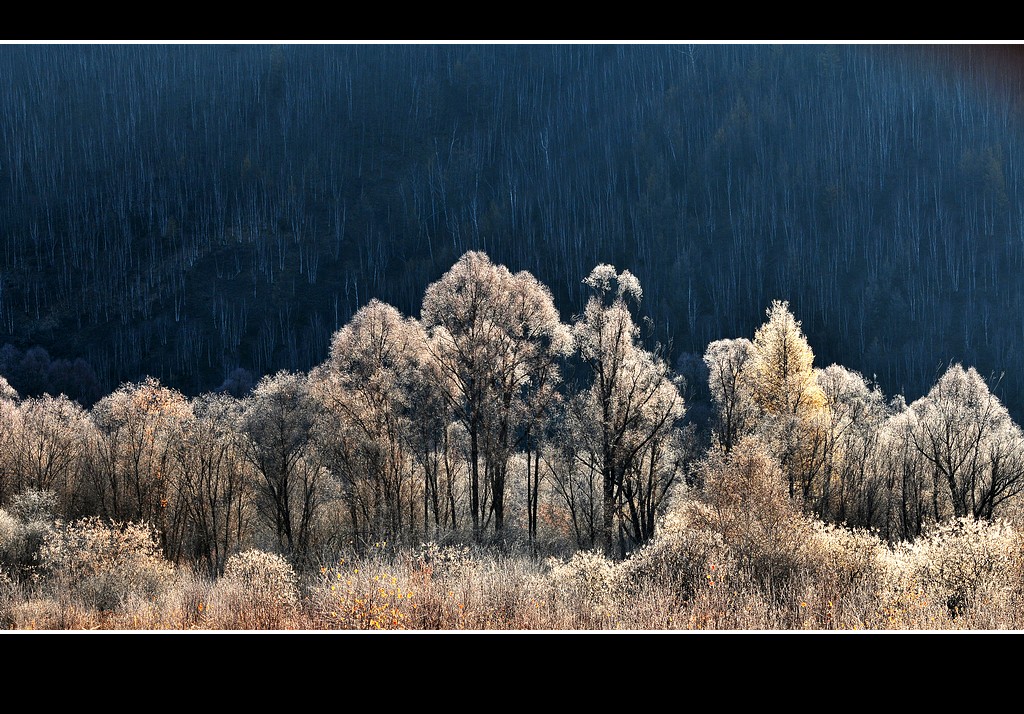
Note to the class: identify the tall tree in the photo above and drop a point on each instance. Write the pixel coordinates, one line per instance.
(632, 402)
(852, 489)
(130, 465)
(275, 426)
(781, 370)
(496, 338)
(365, 388)
(48, 448)
(975, 450)
(213, 492)
(780, 376)
(736, 411)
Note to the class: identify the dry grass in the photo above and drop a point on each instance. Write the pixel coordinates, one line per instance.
(962, 577)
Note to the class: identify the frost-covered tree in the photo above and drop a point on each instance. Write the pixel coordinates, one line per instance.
(851, 488)
(275, 426)
(213, 491)
(364, 428)
(574, 474)
(130, 463)
(47, 448)
(974, 449)
(437, 445)
(735, 408)
(781, 368)
(632, 403)
(7, 392)
(780, 377)
(495, 338)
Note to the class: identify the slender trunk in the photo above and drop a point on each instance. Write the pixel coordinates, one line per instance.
(474, 459)
(608, 508)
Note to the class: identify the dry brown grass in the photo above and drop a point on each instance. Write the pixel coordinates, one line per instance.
(965, 578)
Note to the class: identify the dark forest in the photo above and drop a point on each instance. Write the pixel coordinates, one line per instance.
(208, 214)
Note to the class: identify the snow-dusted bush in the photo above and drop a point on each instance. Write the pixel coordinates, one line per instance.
(961, 558)
(104, 565)
(259, 591)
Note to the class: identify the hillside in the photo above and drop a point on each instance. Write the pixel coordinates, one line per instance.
(208, 214)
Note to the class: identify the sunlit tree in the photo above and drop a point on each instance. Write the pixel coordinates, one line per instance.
(130, 465)
(48, 447)
(780, 376)
(632, 402)
(781, 367)
(275, 426)
(906, 476)
(495, 337)
(974, 449)
(213, 489)
(735, 408)
(364, 429)
(852, 488)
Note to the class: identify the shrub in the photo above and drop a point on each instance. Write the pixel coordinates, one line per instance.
(8, 592)
(10, 540)
(744, 501)
(681, 560)
(841, 559)
(104, 565)
(259, 591)
(23, 528)
(960, 558)
(448, 562)
(587, 578)
(33, 505)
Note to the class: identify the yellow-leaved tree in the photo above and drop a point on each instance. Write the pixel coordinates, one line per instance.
(780, 376)
(781, 371)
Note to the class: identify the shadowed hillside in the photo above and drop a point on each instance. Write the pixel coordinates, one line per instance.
(210, 214)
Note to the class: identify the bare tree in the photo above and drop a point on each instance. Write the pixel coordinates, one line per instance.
(213, 489)
(276, 422)
(904, 473)
(736, 410)
(130, 461)
(975, 450)
(632, 402)
(495, 337)
(365, 426)
(852, 488)
(48, 447)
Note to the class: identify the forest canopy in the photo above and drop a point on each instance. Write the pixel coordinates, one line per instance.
(489, 421)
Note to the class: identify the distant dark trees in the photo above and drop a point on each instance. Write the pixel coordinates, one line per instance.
(183, 211)
(34, 373)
